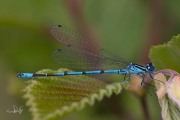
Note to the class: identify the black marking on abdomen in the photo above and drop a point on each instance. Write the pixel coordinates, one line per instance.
(102, 71)
(65, 73)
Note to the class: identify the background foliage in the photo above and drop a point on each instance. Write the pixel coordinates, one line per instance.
(127, 28)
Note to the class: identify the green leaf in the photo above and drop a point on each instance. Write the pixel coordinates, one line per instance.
(167, 56)
(54, 97)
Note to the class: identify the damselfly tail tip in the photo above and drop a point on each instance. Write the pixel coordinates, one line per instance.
(19, 75)
(25, 75)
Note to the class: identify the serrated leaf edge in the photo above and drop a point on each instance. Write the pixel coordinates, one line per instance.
(89, 101)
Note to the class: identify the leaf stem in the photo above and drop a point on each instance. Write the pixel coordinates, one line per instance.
(145, 108)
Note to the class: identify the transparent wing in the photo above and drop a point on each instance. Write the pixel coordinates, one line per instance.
(80, 53)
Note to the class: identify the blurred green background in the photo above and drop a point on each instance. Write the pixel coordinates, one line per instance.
(127, 28)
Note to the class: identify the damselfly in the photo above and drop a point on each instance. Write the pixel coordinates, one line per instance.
(88, 58)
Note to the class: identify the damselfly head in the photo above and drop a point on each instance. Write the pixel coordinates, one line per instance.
(150, 67)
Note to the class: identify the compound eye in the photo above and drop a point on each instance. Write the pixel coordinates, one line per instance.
(150, 67)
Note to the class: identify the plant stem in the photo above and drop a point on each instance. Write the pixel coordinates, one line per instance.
(145, 108)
